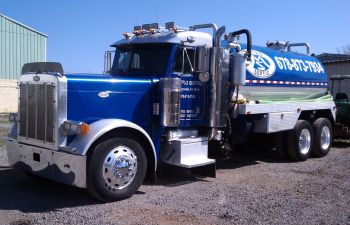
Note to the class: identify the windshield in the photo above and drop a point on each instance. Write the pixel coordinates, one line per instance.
(140, 59)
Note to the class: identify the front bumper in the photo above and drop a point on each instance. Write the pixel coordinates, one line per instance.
(55, 165)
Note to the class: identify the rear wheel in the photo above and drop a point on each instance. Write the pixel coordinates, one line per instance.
(323, 137)
(300, 141)
(117, 168)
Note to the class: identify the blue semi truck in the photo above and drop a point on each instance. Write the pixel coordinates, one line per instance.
(171, 96)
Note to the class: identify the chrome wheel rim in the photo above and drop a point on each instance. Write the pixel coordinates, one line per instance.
(325, 137)
(119, 168)
(304, 141)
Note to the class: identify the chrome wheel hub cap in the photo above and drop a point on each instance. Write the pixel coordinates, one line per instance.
(304, 141)
(325, 137)
(119, 168)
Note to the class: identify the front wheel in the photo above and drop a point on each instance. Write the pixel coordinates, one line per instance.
(300, 141)
(116, 170)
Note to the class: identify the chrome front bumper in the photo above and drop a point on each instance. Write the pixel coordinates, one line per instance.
(55, 165)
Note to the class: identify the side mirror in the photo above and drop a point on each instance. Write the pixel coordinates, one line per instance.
(202, 63)
(201, 59)
(238, 69)
(108, 62)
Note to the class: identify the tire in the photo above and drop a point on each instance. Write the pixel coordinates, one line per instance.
(106, 180)
(300, 141)
(323, 137)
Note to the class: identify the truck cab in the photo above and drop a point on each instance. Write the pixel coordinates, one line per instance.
(106, 131)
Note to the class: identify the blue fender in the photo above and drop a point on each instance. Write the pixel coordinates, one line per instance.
(82, 143)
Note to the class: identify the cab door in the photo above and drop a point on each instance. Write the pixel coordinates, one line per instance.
(192, 101)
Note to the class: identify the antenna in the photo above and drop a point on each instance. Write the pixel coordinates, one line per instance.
(137, 19)
(156, 15)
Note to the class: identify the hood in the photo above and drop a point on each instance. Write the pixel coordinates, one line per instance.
(92, 97)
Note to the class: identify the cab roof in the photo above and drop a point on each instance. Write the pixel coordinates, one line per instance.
(181, 37)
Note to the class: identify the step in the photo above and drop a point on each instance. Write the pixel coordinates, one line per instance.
(186, 152)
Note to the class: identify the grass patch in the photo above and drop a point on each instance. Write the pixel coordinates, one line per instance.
(4, 130)
(5, 126)
(341, 143)
(344, 141)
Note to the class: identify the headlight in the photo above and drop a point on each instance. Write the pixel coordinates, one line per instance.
(75, 127)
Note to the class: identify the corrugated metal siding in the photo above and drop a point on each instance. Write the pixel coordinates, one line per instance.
(339, 68)
(18, 45)
(342, 87)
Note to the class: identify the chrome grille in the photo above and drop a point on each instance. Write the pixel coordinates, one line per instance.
(37, 111)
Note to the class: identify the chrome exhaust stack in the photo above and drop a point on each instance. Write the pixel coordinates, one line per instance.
(220, 72)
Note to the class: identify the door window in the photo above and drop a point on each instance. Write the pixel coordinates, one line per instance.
(184, 61)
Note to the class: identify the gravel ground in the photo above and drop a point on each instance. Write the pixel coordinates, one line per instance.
(251, 188)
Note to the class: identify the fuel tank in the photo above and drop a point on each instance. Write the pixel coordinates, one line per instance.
(275, 74)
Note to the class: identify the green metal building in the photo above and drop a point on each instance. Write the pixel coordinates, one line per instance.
(19, 44)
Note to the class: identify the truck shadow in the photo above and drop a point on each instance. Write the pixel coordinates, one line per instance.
(341, 143)
(176, 176)
(20, 192)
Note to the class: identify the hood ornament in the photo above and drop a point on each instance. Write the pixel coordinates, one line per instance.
(36, 78)
(103, 94)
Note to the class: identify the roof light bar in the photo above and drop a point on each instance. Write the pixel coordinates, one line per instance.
(152, 28)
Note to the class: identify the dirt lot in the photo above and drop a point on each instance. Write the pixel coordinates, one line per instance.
(252, 188)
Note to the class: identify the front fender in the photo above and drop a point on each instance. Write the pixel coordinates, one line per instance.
(82, 143)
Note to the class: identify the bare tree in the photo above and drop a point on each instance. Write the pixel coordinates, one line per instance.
(344, 49)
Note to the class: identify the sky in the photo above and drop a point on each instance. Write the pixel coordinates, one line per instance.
(80, 31)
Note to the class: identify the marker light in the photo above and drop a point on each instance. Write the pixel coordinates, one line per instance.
(153, 27)
(127, 35)
(137, 30)
(170, 26)
(75, 127)
(145, 27)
